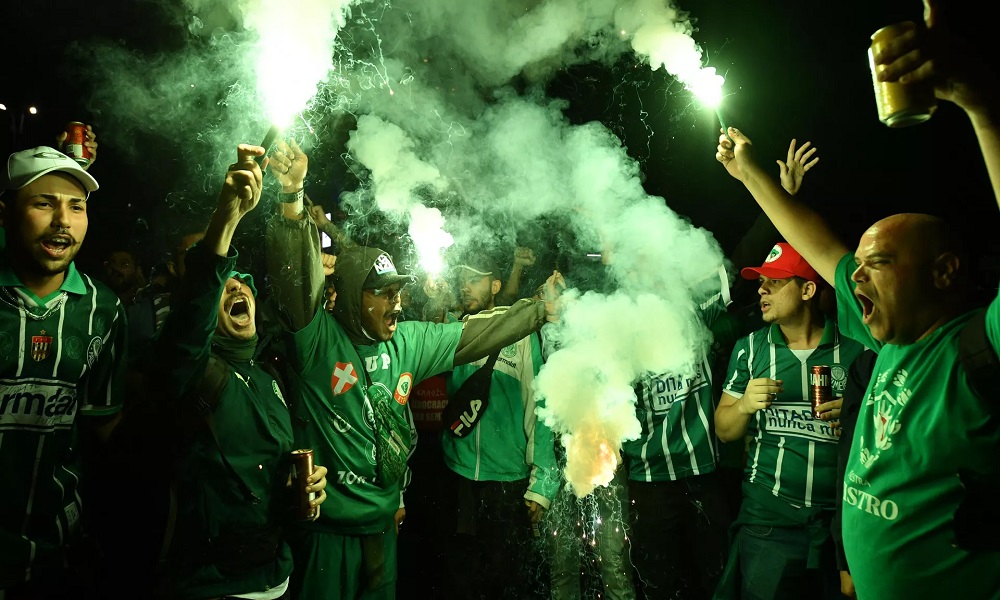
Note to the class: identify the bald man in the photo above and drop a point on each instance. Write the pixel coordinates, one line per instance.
(903, 293)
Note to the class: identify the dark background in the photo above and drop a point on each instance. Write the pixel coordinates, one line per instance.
(793, 69)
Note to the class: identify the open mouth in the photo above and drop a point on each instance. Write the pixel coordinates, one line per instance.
(867, 306)
(392, 319)
(57, 246)
(764, 306)
(239, 311)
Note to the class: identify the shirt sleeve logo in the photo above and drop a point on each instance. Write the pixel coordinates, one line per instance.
(403, 388)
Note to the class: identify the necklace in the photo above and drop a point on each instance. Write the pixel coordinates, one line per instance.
(17, 303)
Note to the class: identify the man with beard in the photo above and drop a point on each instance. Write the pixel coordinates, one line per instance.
(233, 466)
(505, 475)
(923, 432)
(781, 534)
(123, 274)
(62, 349)
(351, 374)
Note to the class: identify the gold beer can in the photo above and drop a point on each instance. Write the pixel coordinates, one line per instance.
(899, 105)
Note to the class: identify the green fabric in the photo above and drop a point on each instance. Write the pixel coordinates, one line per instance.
(335, 417)
(254, 430)
(920, 424)
(246, 278)
(676, 411)
(761, 507)
(510, 443)
(790, 452)
(70, 363)
(348, 567)
(232, 349)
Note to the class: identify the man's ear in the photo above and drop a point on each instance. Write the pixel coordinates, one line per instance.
(945, 270)
(809, 290)
(495, 287)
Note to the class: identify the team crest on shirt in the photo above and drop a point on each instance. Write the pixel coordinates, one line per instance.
(509, 351)
(838, 378)
(73, 347)
(6, 344)
(888, 398)
(94, 350)
(403, 388)
(41, 346)
(343, 379)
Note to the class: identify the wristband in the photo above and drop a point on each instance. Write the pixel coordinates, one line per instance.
(289, 198)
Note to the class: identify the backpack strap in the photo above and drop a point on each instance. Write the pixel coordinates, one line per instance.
(206, 400)
(977, 356)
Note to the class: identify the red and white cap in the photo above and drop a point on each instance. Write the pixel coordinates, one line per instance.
(782, 262)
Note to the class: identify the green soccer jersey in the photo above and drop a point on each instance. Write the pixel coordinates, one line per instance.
(60, 356)
(334, 416)
(919, 425)
(677, 411)
(509, 443)
(791, 454)
(252, 427)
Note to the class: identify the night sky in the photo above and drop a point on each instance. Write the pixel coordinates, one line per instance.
(793, 69)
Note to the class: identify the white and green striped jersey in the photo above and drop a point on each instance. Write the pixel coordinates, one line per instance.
(60, 356)
(676, 411)
(791, 453)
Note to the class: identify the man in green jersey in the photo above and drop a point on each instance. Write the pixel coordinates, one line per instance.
(673, 492)
(904, 293)
(782, 531)
(233, 464)
(351, 374)
(505, 469)
(62, 349)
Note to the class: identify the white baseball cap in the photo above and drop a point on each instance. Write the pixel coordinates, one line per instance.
(28, 165)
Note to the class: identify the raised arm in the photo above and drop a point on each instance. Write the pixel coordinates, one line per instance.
(801, 226)
(294, 264)
(959, 74)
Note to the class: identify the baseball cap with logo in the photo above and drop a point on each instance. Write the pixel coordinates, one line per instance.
(383, 273)
(28, 165)
(781, 263)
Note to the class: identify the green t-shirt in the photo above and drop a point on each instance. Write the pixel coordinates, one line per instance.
(509, 443)
(919, 424)
(791, 454)
(333, 415)
(60, 357)
(676, 411)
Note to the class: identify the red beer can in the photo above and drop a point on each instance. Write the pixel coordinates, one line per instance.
(76, 135)
(302, 468)
(820, 387)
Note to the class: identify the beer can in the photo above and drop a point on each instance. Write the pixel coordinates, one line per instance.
(820, 387)
(76, 135)
(899, 105)
(302, 468)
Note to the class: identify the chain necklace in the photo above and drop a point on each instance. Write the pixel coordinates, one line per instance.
(17, 303)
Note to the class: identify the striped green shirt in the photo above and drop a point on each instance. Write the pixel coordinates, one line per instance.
(791, 453)
(676, 412)
(60, 356)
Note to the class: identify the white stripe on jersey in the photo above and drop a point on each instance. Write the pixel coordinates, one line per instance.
(809, 473)
(21, 339)
(777, 467)
(31, 559)
(760, 430)
(62, 499)
(687, 443)
(93, 305)
(704, 417)
(59, 339)
(33, 485)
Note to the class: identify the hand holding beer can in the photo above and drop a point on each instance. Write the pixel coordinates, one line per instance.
(302, 468)
(75, 146)
(820, 387)
(899, 104)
